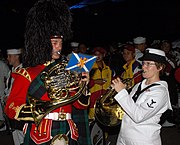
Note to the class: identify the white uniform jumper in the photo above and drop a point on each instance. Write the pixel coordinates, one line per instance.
(3, 75)
(140, 121)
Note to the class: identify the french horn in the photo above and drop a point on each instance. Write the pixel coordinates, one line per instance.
(63, 87)
(107, 110)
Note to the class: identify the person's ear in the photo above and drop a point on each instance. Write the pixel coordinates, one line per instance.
(160, 68)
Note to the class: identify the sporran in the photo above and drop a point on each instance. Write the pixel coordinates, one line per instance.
(60, 139)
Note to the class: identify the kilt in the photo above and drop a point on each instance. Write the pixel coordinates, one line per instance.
(80, 117)
(58, 127)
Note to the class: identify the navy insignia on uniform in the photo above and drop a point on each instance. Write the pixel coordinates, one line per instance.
(151, 104)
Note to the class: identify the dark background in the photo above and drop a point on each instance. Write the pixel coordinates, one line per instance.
(102, 22)
(128, 19)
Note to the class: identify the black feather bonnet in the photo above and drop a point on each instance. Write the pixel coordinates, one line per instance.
(44, 20)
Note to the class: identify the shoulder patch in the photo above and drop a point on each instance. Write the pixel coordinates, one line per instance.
(23, 72)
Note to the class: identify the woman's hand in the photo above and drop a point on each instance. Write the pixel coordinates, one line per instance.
(118, 85)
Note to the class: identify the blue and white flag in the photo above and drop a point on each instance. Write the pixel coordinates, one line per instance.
(80, 62)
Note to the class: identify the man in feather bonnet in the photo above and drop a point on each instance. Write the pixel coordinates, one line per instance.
(36, 95)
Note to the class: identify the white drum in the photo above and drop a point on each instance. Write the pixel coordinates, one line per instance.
(96, 135)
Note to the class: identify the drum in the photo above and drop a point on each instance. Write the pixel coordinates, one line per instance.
(96, 134)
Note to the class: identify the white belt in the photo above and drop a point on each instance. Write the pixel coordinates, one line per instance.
(58, 116)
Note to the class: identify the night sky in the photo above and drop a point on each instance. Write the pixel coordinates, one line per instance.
(103, 23)
(123, 21)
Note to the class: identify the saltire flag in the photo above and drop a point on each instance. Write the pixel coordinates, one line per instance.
(80, 62)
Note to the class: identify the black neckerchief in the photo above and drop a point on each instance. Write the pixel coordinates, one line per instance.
(139, 91)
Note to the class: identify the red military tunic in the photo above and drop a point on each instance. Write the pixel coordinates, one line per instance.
(18, 96)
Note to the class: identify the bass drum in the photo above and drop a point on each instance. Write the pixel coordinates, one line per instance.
(103, 135)
(96, 134)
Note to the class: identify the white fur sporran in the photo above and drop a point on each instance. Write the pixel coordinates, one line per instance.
(60, 139)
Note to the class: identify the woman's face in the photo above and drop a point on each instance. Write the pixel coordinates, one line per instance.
(150, 69)
(128, 55)
(57, 47)
(99, 55)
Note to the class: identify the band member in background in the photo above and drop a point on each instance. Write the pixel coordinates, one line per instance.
(140, 45)
(48, 25)
(14, 57)
(145, 104)
(132, 68)
(3, 77)
(100, 79)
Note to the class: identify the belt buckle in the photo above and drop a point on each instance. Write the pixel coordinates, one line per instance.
(62, 116)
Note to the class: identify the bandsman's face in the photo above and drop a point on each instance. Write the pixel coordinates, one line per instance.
(128, 55)
(57, 47)
(166, 47)
(12, 58)
(99, 55)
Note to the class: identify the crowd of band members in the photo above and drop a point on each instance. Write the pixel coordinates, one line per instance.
(119, 59)
(122, 60)
(115, 57)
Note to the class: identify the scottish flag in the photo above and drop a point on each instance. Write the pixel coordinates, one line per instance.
(80, 62)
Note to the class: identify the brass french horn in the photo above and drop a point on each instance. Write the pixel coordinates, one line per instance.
(107, 111)
(63, 87)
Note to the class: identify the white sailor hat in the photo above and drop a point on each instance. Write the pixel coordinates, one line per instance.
(74, 44)
(14, 51)
(139, 40)
(176, 44)
(153, 54)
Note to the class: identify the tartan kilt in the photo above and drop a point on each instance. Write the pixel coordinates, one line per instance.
(80, 117)
(58, 127)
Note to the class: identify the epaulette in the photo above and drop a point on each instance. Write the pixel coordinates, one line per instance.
(23, 72)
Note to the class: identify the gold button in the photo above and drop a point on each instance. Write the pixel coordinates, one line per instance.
(62, 116)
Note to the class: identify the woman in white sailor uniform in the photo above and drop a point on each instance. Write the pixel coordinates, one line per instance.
(145, 104)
